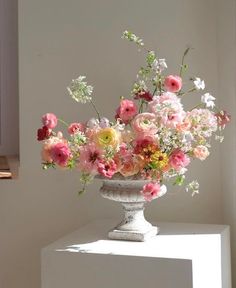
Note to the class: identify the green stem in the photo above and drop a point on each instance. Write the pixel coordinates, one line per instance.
(63, 122)
(195, 107)
(189, 91)
(182, 62)
(141, 106)
(94, 107)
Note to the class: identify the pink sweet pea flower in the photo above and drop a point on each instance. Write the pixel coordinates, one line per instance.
(173, 83)
(107, 168)
(151, 191)
(75, 128)
(89, 156)
(144, 123)
(178, 160)
(49, 120)
(126, 111)
(60, 154)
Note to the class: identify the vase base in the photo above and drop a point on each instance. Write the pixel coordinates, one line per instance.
(133, 235)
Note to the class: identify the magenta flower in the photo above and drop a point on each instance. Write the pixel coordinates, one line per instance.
(151, 191)
(173, 83)
(60, 154)
(178, 160)
(49, 120)
(107, 168)
(126, 111)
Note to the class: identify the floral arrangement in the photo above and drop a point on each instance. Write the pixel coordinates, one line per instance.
(151, 136)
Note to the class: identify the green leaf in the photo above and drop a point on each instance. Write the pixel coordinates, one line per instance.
(179, 180)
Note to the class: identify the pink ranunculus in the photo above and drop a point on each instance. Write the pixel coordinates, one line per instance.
(89, 156)
(60, 153)
(126, 111)
(223, 118)
(201, 152)
(144, 123)
(151, 190)
(178, 160)
(107, 168)
(75, 127)
(49, 120)
(173, 83)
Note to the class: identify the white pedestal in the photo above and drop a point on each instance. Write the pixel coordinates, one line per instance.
(181, 256)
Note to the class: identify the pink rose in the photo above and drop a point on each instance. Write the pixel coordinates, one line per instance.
(151, 191)
(173, 83)
(126, 111)
(201, 152)
(144, 123)
(60, 154)
(107, 168)
(178, 159)
(75, 127)
(49, 120)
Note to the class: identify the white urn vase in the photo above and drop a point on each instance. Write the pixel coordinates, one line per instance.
(134, 226)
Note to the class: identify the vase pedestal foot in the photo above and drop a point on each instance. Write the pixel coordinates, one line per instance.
(141, 236)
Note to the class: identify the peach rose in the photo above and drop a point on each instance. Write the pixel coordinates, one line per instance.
(201, 152)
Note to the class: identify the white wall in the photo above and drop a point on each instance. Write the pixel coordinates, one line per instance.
(58, 41)
(227, 91)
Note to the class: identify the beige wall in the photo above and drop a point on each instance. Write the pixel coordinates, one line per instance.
(58, 41)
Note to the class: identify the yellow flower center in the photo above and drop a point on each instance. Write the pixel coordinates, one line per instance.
(159, 159)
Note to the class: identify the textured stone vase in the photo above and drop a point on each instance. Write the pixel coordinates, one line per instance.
(134, 226)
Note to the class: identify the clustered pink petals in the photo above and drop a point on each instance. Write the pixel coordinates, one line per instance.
(178, 160)
(49, 120)
(126, 111)
(60, 154)
(173, 83)
(75, 128)
(201, 152)
(107, 168)
(151, 191)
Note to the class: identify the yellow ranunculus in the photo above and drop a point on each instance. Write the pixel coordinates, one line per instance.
(107, 137)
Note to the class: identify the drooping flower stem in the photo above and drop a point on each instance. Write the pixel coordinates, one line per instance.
(95, 108)
(63, 122)
(182, 62)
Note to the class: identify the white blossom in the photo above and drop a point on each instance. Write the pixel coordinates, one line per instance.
(208, 100)
(132, 37)
(104, 122)
(159, 65)
(193, 187)
(93, 123)
(199, 84)
(79, 90)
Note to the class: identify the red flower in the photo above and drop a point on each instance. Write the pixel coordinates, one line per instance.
(43, 133)
(145, 95)
(223, 118)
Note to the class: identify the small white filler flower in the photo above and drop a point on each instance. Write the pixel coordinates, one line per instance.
(199, 84)
(208, 100)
